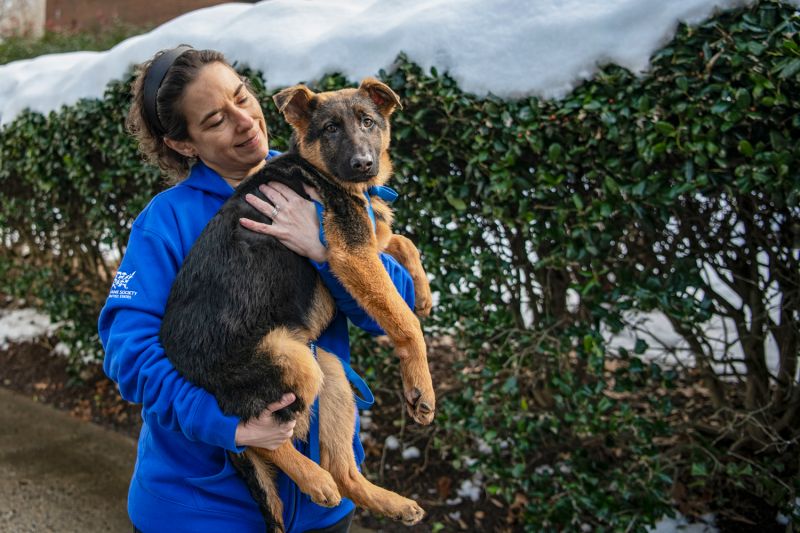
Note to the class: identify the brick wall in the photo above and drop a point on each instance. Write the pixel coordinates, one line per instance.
(22, 18)
(89, 14)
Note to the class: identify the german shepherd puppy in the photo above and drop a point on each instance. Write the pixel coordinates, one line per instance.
(244, 308)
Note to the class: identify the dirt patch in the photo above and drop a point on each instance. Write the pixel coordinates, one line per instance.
(33, 369)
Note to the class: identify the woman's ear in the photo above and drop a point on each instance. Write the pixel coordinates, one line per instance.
(185, 148)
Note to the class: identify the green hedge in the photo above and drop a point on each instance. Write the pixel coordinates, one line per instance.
(539, 222)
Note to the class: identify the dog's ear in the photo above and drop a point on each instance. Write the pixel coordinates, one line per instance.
(293, 102)
(381, 94)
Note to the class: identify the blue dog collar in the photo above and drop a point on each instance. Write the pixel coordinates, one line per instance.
(387, 194)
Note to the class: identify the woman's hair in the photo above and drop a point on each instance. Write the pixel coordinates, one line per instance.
(170, 116)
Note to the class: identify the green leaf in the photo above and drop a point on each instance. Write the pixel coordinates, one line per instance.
(641, 347)
(665, 128)
(611, 185)
(554, 152)
(791, 68)
(458, 203)
(746, 148)
(699, 469)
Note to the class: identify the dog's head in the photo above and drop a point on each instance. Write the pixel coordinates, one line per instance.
(345, 134)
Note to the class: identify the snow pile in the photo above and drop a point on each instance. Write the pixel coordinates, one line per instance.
(506, 47)
(23, 325)
(665, 345)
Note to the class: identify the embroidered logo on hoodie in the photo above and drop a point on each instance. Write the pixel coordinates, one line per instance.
(119, 289)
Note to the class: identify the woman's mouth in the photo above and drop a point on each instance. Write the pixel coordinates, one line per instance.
(249, 143)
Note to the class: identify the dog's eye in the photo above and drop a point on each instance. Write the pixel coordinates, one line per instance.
(331, 128)
(367, 122)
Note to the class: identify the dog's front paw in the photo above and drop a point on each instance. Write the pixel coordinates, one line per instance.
(423, 299)
(323, 490)
(421, 405)
(417, 383)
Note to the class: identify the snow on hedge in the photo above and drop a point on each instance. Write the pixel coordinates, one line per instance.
(511, 48)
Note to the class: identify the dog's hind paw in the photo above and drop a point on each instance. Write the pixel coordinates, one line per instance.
(409, 513)
(324, 491)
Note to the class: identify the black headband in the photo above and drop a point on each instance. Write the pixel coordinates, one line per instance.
(152, 82)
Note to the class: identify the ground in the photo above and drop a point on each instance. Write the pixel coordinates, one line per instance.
(32, 369)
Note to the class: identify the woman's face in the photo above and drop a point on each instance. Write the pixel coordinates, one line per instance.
(226, 126)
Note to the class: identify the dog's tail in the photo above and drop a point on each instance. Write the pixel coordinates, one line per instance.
(260, 479)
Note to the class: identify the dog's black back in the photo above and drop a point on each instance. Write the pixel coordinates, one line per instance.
(234, 287)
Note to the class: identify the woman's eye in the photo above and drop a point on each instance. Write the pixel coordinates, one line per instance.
(243, 101)
(367, 122)
(331, 128)
(218, 123)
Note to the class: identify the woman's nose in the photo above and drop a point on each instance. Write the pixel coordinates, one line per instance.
(243, 119)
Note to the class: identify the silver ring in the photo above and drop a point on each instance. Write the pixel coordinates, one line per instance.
(275, 211)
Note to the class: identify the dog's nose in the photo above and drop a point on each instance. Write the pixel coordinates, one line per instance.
(361, 163)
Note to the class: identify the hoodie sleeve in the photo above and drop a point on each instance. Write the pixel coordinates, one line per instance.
(347, 304)
(129, 327)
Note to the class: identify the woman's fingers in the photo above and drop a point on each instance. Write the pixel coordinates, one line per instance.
(280, 194)
(312, 192)
(263, 207)
(258, 227)
(293, 220)
(277, 191)
(285, 401)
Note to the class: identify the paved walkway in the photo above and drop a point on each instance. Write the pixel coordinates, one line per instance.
(61, 475)
(58, 474)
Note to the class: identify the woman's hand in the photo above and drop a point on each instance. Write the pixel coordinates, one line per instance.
(295, 224)
(265, 431)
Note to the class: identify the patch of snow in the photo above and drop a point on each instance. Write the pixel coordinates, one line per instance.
(680, 524)
(412, 452)
(366, 420)
(21, 325)
(392, 442)
(483, 447)
(470, 489)
(61, 349)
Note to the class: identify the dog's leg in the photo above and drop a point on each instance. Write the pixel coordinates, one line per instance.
(336, 426)
(402, 249)
(360, 270)
(303, 375)
(308, 475)
(260, 479)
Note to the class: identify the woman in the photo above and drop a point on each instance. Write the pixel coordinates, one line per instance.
(194, 116)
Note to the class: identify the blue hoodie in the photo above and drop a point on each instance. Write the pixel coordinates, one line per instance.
(183, 480)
